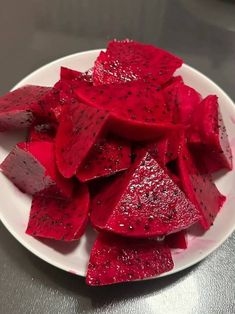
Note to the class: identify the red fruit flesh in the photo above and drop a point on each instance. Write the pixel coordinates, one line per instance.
(126, 61)
(158, 150)
(184, 99)
(173, 146)
(174, 80)
(73, 75)
(42, 132)
(61, 94)
(80, 128)
(210, 137)
(114, 259)
(138, 110)
(165, 149)
(31, 167)
(143, 202)
(59, 219)
(177, 240)
(188, 100)
(63, 91)
(51, 105)
(107, 157)
(17, 108)
(199, 188)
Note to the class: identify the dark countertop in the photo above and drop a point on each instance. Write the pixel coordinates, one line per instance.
(35, 32)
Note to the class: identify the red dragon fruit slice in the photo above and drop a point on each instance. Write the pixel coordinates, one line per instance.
(199, 188)
(127, 60)
(159, 150)
(173, 80)
(42, 132)
(114, 259)
(173, 146)
(170, 93)
(73, 75)
(17, 108)
(107, 157)
(59, 219)
(177, 240)
(165, 149)
(143, 202)
(211, 137)
(50, 106)
(69, 81)
(184, 98)
(31, 167)
(188, 99)
(138, 109)
(80, 128)
(62, 93)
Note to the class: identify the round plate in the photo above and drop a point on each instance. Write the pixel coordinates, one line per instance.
(73, 257)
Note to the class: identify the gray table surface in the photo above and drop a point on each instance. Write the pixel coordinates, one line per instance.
(35, 32)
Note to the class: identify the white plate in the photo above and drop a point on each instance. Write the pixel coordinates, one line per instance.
(15, 206)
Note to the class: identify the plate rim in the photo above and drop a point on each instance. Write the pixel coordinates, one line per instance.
(30, 247)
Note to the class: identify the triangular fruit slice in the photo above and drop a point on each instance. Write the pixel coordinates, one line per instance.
(177, 240)
(159, 150)
(215, 152)
(51, 105)
(59, 219)
(115, 259)
(107, 157)
(199, 188)
(188, 99)
(174, 80)
(31, 167)
(47, 103)
(73, 75)
(165, 149)
(138, 109)
(128, 60)
(143, 202)
(79, 129)
(184, 98)
(17, 108)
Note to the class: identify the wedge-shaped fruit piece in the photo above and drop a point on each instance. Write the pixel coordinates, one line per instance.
(73, 75)
(199, 188)
(107, 157)
(159, 150)
(138, 109)
(188, 99)
(174, 80)
(62, 94)
(59, 219)
(143, 202)
(69, 80)
(184, 98)
(177, 240)
(52, 104)
(80, 128)
(210, 137)
(17, 108)
(31, 167)
(115, 259)
(165, 149)
(128, 60)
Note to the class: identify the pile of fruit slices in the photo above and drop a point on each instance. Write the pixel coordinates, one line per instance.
(126, 146)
